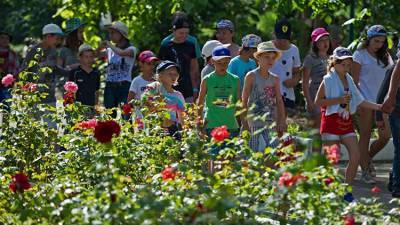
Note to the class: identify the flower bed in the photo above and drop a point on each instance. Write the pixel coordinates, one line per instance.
(115, 171)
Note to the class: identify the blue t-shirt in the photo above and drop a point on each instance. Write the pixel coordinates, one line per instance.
(240, 68)
(190, 39)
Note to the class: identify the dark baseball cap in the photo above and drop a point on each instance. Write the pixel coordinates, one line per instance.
(283, 29)
(180, 22)
(166, 65)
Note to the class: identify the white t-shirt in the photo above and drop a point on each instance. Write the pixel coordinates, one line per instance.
(284, 67)
(138, 86)
(371, 74)
(120, 68)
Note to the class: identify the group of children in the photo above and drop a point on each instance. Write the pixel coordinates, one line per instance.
(260, 75)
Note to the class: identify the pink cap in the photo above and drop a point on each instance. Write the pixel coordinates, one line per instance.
(147, 56)
(318, 33)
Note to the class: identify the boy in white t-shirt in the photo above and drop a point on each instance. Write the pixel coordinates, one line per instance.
(287, 67)
(147, 61)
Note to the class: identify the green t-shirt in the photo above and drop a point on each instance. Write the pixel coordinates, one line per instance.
(221, 98)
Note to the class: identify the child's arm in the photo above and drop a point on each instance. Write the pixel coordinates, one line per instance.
(370, 105)
(281, 117)
(96, 102)
(194, 76)
(131, 95)
(248, 82)
(128, 52)
(355, 72)
(200, 101)
(239, 117)
(290, 83)
(320, 99)
(306, 89)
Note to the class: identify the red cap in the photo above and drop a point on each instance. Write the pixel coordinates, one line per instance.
(147, 56)
(318, 33)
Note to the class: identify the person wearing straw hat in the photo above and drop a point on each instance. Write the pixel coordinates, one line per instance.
(68, 54)
(121, 58)
(261, 98)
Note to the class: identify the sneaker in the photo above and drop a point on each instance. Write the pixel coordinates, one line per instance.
(390, 184)
(367, 178)
(371, 169)
(396, 194)
(348, 197)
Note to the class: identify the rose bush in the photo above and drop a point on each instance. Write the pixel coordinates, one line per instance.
(106, 171)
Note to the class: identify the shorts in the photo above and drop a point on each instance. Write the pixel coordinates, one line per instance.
(335, 137)
(288, 103)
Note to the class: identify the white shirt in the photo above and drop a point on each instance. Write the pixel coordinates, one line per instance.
(283, 67)
(371, 74)
(138, 86)
(120, 68)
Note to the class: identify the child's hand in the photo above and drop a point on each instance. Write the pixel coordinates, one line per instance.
(281, 127)
(345, 99)
(380, 124)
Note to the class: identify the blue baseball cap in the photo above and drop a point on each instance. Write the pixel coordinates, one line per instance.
(342, 53)
(220, 52)
(376, 31)
(225, 24)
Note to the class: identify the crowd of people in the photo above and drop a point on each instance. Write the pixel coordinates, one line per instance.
(342, 90)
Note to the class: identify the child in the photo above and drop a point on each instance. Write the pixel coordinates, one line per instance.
(121, 58)
(86, 77)
(243, 63)
(51, 33)
(225, 34)
(207, 53)
(8, 62)
(371, 61)
(220, 90)
(167, 77)
(315, 64)
(261, 88)
(288, 65)
(339, 98)
(146, 64)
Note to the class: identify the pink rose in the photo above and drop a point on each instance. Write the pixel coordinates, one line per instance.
(8, 80)
(71, 87)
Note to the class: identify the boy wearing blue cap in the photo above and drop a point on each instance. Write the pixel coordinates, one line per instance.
(219, 90)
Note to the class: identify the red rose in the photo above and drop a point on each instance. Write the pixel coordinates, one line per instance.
(19, 183)
(333, 153)
(69, 98)
(328, 181)
(376, 189)
(220, 133)
(168, 173)
(89, 124)
(32, 87)
(349, 220)
(139, 123)
(104, 130)
(127, 108)
(288, 180)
